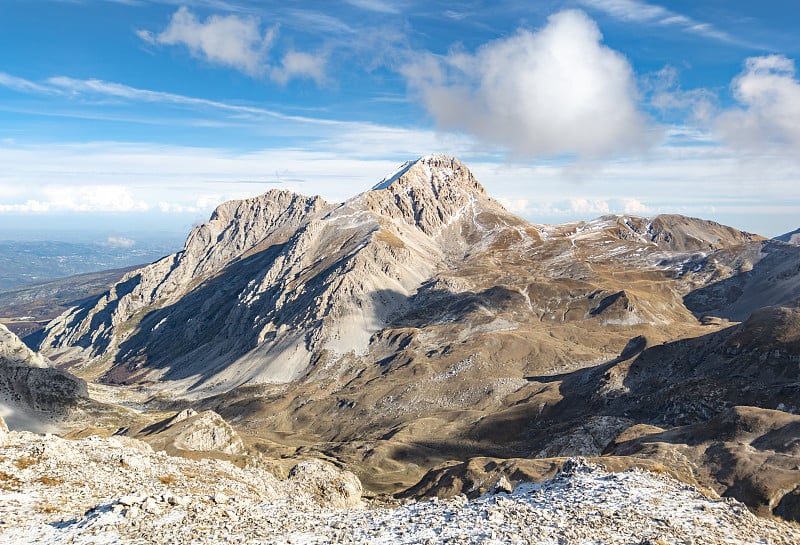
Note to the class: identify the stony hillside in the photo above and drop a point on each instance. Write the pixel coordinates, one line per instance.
(119, 491)
(420, 322)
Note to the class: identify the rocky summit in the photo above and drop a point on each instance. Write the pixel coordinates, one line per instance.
(436, 345)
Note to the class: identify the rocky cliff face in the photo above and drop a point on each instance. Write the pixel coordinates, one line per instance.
(31, 392)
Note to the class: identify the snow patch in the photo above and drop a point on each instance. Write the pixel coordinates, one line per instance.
(394, 176)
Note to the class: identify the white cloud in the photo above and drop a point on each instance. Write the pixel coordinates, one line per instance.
(551, 92)
(769, 115)
(296, 64)
(119, 242)
(642, 12)
(667, 95)
(228, 40)
(380, 6)
(23, 85)
(587, 206)
(635, 206)
(85, 198)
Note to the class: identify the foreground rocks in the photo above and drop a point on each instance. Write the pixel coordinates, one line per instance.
(118, 490)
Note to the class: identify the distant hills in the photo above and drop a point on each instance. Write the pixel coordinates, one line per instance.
(28, 262)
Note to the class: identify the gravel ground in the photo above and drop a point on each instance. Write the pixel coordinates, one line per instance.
(104, 491)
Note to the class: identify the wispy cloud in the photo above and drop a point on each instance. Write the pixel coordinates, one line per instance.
(380, 6)
(67, 86)
(296, 64)
(320, 22)
(23, 85)
(642, 12)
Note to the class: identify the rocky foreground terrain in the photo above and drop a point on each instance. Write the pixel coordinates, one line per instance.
(118, 490)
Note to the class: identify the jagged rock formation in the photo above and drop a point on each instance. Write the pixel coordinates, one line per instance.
(420, 322)
(13, 352)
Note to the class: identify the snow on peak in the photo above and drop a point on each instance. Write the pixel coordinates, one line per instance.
(394, 176)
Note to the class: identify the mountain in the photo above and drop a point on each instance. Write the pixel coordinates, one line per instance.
(25, 310)
(421, 322)
(270, 285)
(792, 237)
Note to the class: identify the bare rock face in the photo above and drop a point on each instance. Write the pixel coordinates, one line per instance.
(14, 352)
(190, 431)
(3, 432)
(29, 388)
(331, 486)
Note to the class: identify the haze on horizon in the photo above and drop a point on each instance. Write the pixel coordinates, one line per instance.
(142, 115)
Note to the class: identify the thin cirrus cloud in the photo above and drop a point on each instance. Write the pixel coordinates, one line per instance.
(768, 116)
(237, 42)
(380, 6)
(642, 12)
(547, 93)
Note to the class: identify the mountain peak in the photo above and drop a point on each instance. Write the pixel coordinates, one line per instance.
(430, 193)
(436, 172)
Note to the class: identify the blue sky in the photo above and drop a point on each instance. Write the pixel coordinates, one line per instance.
(142, 115)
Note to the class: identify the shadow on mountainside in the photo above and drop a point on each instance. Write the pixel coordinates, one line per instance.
(190, 336)
(773, 280)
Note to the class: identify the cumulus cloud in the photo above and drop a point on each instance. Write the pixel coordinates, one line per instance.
(229, 40)
(555, 91)
(768, 93)
(238, 42)
(296, 64)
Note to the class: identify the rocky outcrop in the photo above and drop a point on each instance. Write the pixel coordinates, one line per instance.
(189, 431)
(13, 352)
(328, 485)
(27, 383)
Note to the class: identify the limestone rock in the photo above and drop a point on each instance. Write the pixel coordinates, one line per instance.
(326, 484)
(206, 431)
(13, 352)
